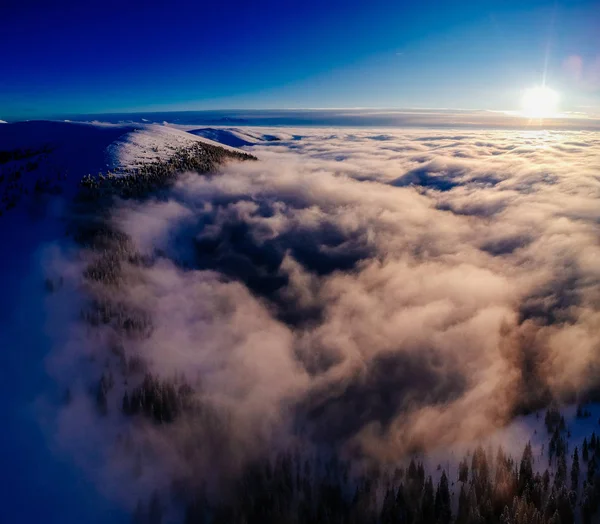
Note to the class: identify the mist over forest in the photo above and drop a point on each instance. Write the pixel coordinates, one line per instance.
(300, 262)
(333, 326)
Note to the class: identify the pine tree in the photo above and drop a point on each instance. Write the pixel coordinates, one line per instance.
(562, 425)
(443, 511)
(404, 513)
(591, 474)
(506, 517)
(586, 506)
(388, 509)
(421, 475)
(555, 519)
(564, 506)
(545, 480)
(463, 471)
(427, 503)
(575, 470)
(412, 470)
(584, 450)
(561, 471)
(463, 507)
(526, 468)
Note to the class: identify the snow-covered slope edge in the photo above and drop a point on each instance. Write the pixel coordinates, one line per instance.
(47, 157)
(237, 137)
(152, 143)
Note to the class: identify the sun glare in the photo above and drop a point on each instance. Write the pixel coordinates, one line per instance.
(540, 102)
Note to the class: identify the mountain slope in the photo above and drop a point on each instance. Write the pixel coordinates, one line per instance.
(41, 166)
(236, 137)
(40, 157)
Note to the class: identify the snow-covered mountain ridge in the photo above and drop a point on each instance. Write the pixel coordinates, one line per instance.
(48, 157)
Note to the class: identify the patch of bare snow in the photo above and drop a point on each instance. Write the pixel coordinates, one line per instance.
(151, 143)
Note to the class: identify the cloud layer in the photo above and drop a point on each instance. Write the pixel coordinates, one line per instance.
(363, 291)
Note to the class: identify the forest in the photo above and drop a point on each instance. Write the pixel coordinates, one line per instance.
(560, 485)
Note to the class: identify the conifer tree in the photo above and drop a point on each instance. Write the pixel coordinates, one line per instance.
(575, 470)
(443, 511)
(526, 468)
(591, 474)
(555, 519)
(463, 471)
(561, 471)
(463, 507)
(427, 515)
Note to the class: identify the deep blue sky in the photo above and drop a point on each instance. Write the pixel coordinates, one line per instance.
(82, 57)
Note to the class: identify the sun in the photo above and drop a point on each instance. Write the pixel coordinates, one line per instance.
(540, 102)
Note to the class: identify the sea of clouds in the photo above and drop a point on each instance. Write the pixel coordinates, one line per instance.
(368, 292)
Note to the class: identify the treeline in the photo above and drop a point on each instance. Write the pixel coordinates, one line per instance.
(160, 400)
(111, 249)
(22, 154)
(13, 187)
(146, 179)
(490, 490)
(485, 487)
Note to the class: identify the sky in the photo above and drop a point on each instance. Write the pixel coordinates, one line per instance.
(94, 57)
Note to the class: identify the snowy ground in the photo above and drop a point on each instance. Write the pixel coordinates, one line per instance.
(151, 143)
(238, 137)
